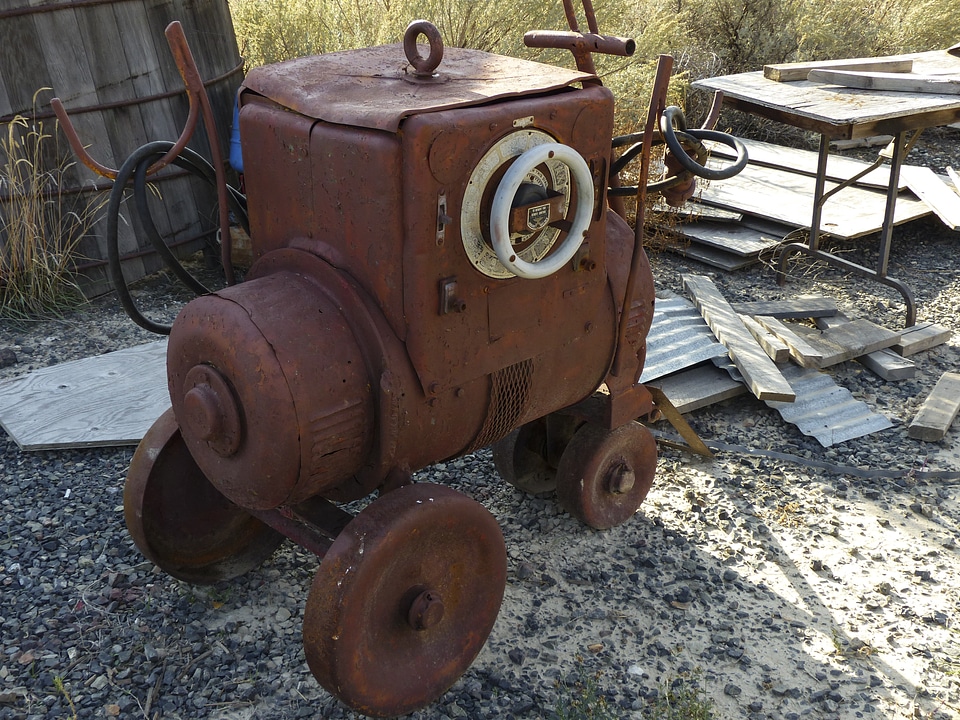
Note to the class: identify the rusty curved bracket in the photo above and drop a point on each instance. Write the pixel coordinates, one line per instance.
(199, 102)
(191, 79)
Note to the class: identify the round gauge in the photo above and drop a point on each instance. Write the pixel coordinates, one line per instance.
(552, 176)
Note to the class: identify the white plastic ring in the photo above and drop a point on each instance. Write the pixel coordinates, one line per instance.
(503, 202)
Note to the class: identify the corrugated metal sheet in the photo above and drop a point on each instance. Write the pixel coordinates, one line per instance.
(678, 338)
(825, 410)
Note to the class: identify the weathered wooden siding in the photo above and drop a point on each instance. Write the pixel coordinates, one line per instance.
(108, 61)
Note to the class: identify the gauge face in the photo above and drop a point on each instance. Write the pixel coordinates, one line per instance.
(552, 176)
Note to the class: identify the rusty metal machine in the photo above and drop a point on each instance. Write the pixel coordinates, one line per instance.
(437, 270)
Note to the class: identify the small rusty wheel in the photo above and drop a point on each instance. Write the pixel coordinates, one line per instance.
(604, 475)
(521, 459)
(180, 521)
(404, 599)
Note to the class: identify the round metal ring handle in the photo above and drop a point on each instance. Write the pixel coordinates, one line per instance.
(423, 65)
(503, 202)
(669, 133)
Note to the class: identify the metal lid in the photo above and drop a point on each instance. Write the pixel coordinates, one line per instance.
(376, 87)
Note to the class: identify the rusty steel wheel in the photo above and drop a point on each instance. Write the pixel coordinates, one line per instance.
(604, 475)
(180, 521)
(404, 599)
(521, 459)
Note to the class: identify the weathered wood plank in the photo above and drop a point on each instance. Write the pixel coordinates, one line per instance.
(888, 365)
(884, 363)
(699, 387)
(938, 410)
(790, 72)
(804, 306)
(891, 82)
(927, 185)
(804, 354)
(773, 346)
(759, 372)
(106, 400)
(847, 341)
(921, 336)
(954, 178)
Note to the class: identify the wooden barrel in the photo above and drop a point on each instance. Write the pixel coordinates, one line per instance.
(109, 62)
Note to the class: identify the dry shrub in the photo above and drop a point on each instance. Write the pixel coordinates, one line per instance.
(41, 225)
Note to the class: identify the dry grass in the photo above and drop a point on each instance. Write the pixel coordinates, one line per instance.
(41, 225)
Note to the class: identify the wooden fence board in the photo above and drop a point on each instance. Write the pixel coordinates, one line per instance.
(938, 196)
(773, 346)
(804, 306)
(791, 72)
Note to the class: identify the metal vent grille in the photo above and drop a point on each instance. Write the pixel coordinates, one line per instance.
(509, 393)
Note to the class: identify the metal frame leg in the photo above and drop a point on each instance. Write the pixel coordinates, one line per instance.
(812, 247)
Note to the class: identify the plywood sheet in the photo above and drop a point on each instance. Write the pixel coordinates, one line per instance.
(107, 400)
(806, 162)
(734, 238)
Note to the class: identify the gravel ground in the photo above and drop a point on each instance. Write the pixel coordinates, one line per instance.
(779, 587)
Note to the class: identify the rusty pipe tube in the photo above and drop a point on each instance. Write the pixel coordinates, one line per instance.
(191, 78)
(580, 42)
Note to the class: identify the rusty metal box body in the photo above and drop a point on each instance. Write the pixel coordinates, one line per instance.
(363, 175)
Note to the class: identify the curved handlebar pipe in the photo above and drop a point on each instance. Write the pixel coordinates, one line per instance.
(191, 79)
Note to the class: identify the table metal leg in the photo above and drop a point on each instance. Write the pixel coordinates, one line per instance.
(812, 247)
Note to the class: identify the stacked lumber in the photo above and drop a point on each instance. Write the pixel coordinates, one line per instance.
(777, 351)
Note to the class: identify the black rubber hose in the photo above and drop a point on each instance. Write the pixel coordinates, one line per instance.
(673, 113)
(136, 165)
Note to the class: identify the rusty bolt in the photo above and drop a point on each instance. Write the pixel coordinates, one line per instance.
(426, 610)
(621, 479)
(202, 412)
(210, 411)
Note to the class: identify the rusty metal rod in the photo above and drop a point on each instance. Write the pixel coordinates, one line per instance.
(657, 104)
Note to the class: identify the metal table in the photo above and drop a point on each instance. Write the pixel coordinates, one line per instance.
(848, 113)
